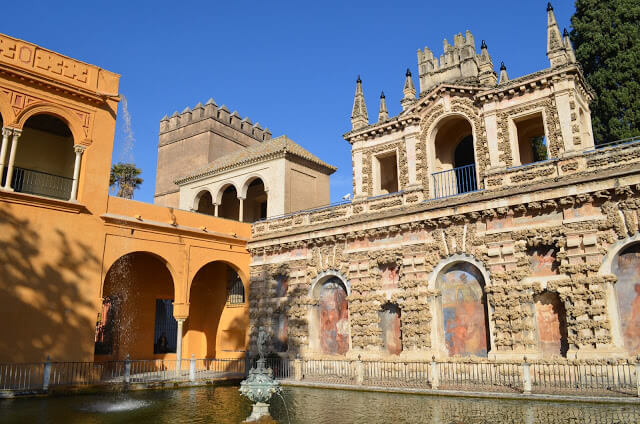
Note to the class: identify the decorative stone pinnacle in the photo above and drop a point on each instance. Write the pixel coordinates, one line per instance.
(408, 74)
(549, 7)
(503, 66)
(483, 45)
(359, 81)
(382, 95)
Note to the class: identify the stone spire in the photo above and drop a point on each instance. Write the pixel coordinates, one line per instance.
(486, 75)
(555, 47)
(409, 91)
(571, 54)
(383, 115)
(503, 73)
(359, 116)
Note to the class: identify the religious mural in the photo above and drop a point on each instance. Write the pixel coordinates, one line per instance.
(334, 318)
(551, 318)
(389, 322)
(463, 310)
(543, 261)
(627, 269)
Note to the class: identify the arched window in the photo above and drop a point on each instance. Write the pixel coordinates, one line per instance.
(230, 204)
(45, 158)
(389, 322)
(464, 310)
(454, 157)
(235, 292)
(205, 203)
(627, 268)
(255, 204)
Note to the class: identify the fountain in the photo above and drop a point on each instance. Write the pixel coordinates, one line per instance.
(260, 385)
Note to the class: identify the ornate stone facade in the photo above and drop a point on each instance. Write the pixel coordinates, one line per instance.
(517, 257)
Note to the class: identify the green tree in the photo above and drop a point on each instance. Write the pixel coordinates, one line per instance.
(606, 37)
(124, 176)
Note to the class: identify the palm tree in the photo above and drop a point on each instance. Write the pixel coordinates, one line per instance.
(125, 177)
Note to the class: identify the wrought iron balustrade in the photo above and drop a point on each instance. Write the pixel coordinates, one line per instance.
(455, 181)
(39, 183)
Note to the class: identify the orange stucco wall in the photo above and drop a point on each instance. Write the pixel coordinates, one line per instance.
(55, 255)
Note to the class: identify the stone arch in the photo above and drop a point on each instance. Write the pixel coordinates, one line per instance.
(199, 197)
(215, 325)
(220, 191)
(138, 297)
(329, 329)
(461, 323)
(255, 193)
(248, 180)
(8, 117)
(228, 201)
(243, 276)
(49, 109)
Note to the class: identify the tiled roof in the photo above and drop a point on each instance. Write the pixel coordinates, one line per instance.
(270, 149)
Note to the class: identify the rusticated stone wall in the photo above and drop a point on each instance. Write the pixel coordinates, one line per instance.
(523, 250)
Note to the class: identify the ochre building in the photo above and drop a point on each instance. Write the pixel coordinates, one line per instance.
(84, 275)
(484, 224)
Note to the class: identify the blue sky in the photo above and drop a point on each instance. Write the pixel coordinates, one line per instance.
(289, 65)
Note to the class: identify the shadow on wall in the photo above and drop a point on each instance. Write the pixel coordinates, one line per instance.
(45, 294)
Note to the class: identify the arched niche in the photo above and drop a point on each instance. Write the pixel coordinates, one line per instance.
(389, 321)
(626, 267)
(329, 329)
(461, 324)
(551, 323)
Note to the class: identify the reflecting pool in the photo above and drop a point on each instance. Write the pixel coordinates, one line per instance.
(305, 405)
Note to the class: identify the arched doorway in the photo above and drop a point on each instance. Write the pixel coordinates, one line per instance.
(551, 320)
(137, 311)
(204, 203)
(229, 203)
(218, 315)
(465, 315)
(454, 157)
(329, 320)
(255, 204)
(627, 268)
(44, 158)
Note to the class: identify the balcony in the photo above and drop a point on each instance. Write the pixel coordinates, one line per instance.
(39, 183)
(454, 181)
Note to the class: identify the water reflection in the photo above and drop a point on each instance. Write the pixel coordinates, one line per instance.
(224, 405)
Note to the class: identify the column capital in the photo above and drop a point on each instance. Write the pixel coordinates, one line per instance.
(17, 132)
(242, 198)
(6, 131)
(79, 148)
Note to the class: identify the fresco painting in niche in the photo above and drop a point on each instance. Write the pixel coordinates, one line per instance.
(627, 269)
(463, 310)
(389, 321)
(543, 261)
(334, 318)
(551, 318)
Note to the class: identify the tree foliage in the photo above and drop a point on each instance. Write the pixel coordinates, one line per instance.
(125, 177)
(606, 37)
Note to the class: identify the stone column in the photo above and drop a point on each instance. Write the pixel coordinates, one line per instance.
(241, 210)
(179, 344)
(6, 133)
(12, 159)
(215, 209)
(79, 149)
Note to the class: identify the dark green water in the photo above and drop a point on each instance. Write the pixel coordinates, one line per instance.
(224, 405)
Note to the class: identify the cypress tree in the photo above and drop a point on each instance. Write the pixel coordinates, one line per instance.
(606, 38)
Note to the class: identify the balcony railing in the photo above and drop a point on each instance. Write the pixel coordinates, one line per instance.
(39, 183)
(455, 181)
